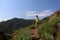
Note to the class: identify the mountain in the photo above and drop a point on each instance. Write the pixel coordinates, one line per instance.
(14, 24)
(48, 29)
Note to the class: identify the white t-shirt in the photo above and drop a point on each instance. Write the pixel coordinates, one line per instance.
(37, 19)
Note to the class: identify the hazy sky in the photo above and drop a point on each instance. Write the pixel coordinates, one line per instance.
(27, 8)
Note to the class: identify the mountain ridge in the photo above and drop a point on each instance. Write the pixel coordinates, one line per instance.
(14, 24)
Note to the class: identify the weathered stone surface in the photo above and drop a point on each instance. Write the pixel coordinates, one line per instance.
(34, 32)
(53, 16)
(57, 32)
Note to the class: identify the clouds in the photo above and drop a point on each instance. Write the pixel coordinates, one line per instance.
(40, 14)
(30, 15)
(3, 19)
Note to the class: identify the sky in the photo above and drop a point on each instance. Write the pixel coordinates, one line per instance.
(27, 9)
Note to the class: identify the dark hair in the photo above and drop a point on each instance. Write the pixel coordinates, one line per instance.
(36, 15)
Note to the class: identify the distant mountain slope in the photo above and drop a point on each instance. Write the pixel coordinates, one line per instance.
(14, 24)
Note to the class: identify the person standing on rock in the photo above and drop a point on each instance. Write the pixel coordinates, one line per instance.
(37, 21)
(34, 30)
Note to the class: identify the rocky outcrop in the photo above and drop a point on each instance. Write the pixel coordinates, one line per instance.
(58, 31)
(56, 34)
(53, 16)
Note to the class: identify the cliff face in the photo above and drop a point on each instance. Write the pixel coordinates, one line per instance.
(58, 32)
(53, 16)
(56, 18)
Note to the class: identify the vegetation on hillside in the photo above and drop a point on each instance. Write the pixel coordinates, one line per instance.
(46, 30)
(21, 27)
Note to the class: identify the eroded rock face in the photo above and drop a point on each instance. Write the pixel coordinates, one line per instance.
(57, 32)
(53, 16)
(34, 32)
